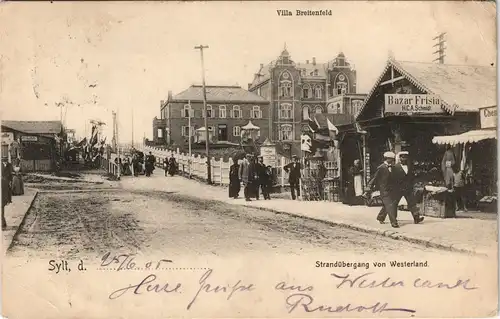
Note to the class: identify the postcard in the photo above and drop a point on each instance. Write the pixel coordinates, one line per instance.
(304, 159)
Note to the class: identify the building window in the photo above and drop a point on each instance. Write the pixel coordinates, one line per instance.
(305, 113)
(160, 133)
(185, 111)
(318, 109)
(337, 109)
(286, 132)
(356, 107)
(256, 113)
(318, 92)
(222, 111)
(306, 91)
(185, 131)
(236, 131)
(315, 72)
(286, 111)
(236, 112)
(285, 88)
(258, 92)
(210, 112)
(341, 88)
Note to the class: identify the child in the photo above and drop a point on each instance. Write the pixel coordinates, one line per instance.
(459, 188)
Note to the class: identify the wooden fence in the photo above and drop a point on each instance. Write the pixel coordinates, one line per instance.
(196, 166)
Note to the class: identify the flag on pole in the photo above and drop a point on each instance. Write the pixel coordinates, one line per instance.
(93, 138)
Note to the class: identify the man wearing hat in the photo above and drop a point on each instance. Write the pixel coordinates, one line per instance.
(293, 170)
(404, 182)
(246, 175)
(262, 178)
(383, 180)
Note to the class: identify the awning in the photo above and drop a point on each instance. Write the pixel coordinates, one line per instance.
(250, 126)
(467, 137)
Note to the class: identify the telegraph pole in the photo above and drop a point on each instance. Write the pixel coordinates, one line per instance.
(115, 137)
(441, 48)
(209, 170)
(189, 143)
(132, 128)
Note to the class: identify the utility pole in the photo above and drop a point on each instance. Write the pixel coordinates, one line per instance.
(115, 136)
(132, 128)
(189, 141)
(209, 170)
(441, 48)
(114, 142)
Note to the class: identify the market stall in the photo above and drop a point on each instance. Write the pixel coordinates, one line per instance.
(477, 160)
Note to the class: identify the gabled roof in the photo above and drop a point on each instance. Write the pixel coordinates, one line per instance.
(463, 88)
(218, 94)
(264, 71)
(35, 127)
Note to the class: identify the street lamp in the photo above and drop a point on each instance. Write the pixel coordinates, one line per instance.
(209, 171)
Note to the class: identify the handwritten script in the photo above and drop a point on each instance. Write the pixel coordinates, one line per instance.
(296, 297)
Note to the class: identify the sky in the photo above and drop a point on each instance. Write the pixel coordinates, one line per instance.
(97, 57)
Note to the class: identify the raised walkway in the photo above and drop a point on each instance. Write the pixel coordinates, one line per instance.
(467, 235)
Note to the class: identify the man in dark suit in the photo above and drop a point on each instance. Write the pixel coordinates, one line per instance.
(383, 180)
(6, 187)
(404, 180)
(246, 176)
(293, 170)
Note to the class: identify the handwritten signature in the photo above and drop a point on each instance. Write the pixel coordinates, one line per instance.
(306, 302)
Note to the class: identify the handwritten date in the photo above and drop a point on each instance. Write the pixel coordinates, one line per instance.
(128, 262)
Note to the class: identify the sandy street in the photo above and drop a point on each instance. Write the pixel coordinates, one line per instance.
(91, 223)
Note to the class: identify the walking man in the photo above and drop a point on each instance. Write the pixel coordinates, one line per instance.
(293, 170)
(403, 179)
(261, 177)
(246, 176)
(383, 180)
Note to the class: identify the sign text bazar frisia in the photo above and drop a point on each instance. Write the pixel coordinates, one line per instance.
(413, 103)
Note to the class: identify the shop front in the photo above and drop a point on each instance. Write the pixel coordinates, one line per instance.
(35, 144)
(411, 103)
(474, 155)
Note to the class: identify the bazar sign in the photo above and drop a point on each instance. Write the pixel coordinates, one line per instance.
(27, 138)
(413, 103)
(488, 117)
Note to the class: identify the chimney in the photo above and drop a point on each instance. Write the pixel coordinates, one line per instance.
(169, 95)
(314, 60)
(307, 61)
(162, 102)
(262, 65)
(249, 86)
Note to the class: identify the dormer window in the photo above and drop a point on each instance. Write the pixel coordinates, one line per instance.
(315, 72)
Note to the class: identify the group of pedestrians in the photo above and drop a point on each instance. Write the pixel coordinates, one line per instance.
(253, 175)
(12, 184)
(395, 181)
(170, 166)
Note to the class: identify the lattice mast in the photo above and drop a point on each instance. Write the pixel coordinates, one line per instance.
(440, 52)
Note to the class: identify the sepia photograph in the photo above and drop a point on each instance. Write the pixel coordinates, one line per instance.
(278, 159)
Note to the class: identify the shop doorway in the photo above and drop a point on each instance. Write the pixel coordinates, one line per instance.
(222, 132)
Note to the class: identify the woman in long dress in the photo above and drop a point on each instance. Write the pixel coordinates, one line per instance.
(234, 180)
(172, 166)
(354, 187)
(17, 179)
